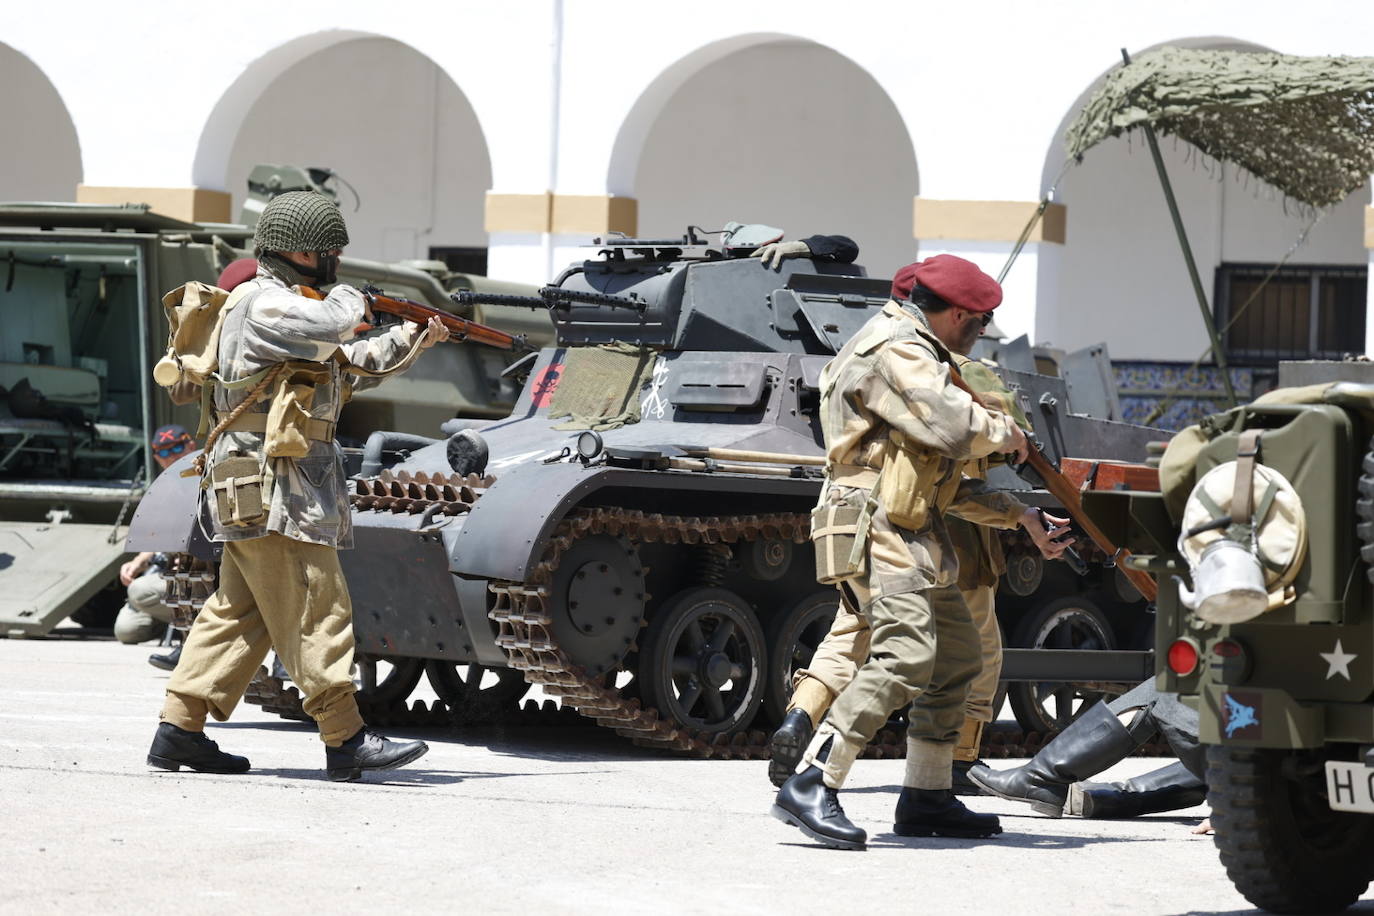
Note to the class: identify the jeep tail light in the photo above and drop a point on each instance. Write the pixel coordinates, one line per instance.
(1183, 656)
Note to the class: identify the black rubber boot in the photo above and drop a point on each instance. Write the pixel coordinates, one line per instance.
(962, 784)
(174, 748)
(1093, 742)
(788, 744)
(166, 662)
(806, 802)
(936, 812)
(1165, 789)
(368, 750)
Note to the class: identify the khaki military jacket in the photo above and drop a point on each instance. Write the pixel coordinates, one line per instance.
(890, 387)
(270, 325)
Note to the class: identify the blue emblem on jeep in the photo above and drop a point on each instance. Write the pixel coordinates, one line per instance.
(1238, 716)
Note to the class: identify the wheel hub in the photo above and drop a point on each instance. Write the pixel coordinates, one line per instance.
(716, 668)
(596, 602)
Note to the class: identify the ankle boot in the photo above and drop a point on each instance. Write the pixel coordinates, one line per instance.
(1168, 788)
(806, 802)
(166, 662)
(959, 776)
(368, 750)
(936, 812)
(788, 744)
(174, 748)
(1093, 742)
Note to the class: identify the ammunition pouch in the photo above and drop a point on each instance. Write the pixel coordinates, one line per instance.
(239, 490)
(908, 485)
(287, 434)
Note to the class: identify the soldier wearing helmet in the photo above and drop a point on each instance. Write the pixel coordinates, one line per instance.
(899, 435)
(282, 520)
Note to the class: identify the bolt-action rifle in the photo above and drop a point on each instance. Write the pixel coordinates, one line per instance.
(460, 329)
(1062, 489)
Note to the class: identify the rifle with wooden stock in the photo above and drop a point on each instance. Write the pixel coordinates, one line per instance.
(1063, 489)
(460, 330)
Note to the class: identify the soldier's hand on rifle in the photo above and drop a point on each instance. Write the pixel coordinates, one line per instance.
(773, 253)
(1017, 445)
(435, 331)
(1043, 529)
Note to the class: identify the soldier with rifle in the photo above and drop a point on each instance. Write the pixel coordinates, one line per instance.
(277, 496)
(899, 430)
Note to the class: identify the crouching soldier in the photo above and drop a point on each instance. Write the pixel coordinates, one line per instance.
(277, 496)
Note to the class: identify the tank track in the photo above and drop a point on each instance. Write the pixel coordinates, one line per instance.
(526, 635)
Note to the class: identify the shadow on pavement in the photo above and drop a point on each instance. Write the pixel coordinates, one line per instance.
(400, 777)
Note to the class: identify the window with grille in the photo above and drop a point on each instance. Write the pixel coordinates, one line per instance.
(1301, 313)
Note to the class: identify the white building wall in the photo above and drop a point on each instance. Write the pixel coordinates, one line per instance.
(593, 98)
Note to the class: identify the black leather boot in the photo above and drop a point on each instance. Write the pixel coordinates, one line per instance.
(1165, 789)
(1093, 742)
(174, 748)
(962, 784)
(806, 802)
(166, 662)
(788, 744)
(368, 750)
(936, 812)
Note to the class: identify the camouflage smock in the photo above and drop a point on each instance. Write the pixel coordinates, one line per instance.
(892, 378)
(269, 325)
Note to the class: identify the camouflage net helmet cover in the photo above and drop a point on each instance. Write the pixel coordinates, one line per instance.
(300, 221)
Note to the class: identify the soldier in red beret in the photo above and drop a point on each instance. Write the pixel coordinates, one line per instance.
(899, 437)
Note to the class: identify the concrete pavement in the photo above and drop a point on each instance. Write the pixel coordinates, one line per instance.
(528, 819)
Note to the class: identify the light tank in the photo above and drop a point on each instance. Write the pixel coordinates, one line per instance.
(634, 536)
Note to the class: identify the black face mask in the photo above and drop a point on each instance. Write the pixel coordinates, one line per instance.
(325, 273)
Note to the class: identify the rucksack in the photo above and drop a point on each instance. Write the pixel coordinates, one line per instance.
(195, 315)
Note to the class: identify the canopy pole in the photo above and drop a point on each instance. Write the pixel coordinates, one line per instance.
(1182, 234)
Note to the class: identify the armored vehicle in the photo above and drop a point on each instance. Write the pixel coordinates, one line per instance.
(634, 536)
(1275, 643)
(80, 291)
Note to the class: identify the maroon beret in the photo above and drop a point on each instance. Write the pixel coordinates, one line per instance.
(237, 272)
(953, 279)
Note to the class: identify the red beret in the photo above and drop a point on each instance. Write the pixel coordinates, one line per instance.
(237, 272)
(953, 279)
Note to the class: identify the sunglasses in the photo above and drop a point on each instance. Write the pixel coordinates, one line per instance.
(170, 450)
(984, 319)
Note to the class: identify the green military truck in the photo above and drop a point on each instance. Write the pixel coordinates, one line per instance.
(1266, 624)
(83, 324)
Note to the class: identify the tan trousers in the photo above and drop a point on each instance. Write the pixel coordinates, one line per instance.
(845, 648)
(274, 592)
(921, 646)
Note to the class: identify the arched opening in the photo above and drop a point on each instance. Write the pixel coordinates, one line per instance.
(771, 129)
(1121, 276)
(40, 158)
(380, 114)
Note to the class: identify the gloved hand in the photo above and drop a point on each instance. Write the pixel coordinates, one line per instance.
(774, 252)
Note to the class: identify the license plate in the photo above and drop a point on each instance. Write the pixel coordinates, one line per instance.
(1350, 786)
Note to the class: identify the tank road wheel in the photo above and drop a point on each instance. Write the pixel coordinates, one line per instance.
(792, 639)
(1064, 623)
(1284, 849)
(385, 681)
(703, 661)
(475, 694)
(596, 602)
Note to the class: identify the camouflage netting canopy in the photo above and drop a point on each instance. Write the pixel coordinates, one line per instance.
(1303, 124)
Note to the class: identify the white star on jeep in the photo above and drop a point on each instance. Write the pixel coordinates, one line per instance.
(1339, 660)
